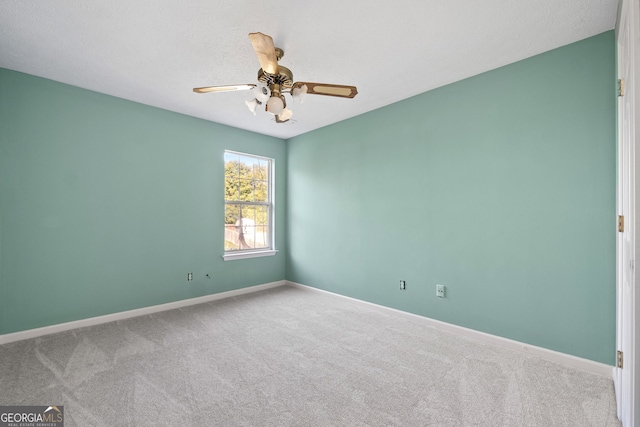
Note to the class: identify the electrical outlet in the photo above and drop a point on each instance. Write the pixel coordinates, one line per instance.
(189, 277)
(440, 291)
(403, 285)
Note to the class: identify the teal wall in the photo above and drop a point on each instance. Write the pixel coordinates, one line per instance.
(106, 205)
(500, 186)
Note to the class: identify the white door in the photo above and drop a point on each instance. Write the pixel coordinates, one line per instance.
(625, 379)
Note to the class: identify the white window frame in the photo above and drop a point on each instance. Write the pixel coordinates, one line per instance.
(270, 250)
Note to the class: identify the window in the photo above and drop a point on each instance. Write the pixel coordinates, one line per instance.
(248, 205)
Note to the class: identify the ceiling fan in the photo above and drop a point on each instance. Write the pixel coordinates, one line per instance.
(275, 80)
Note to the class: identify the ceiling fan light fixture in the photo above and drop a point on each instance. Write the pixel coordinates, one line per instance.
(299, 93)
(275, 105)
(285, 115)
(253, 105)
(261, 93)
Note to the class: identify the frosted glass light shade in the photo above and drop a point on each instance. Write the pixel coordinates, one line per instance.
(285, 115)
(253, 104)
(275, 105)
(299, 93)
(261, 93)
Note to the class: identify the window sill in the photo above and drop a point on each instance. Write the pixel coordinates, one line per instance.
(245, 255)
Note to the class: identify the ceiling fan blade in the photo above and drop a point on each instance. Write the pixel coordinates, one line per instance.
(265, 51)
(328, 89)
(208, 89)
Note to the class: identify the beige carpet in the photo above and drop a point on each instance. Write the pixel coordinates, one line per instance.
(293, 357)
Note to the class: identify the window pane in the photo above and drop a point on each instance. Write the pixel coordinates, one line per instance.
(230, 157)
(260, 169)
(245, 169)
(260, 191)
(262, 215)
(245, 189)
(231, 215)
(231, 176)
(246, 227)
(230, 189)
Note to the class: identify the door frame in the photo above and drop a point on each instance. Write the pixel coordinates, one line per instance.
(627, 378)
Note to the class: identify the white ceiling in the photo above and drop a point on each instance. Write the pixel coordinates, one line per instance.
(155, 51)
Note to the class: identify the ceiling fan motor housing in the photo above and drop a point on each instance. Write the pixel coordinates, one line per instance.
(284, 78)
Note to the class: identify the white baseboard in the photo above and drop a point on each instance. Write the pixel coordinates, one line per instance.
(550, 355)
(61, 327)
